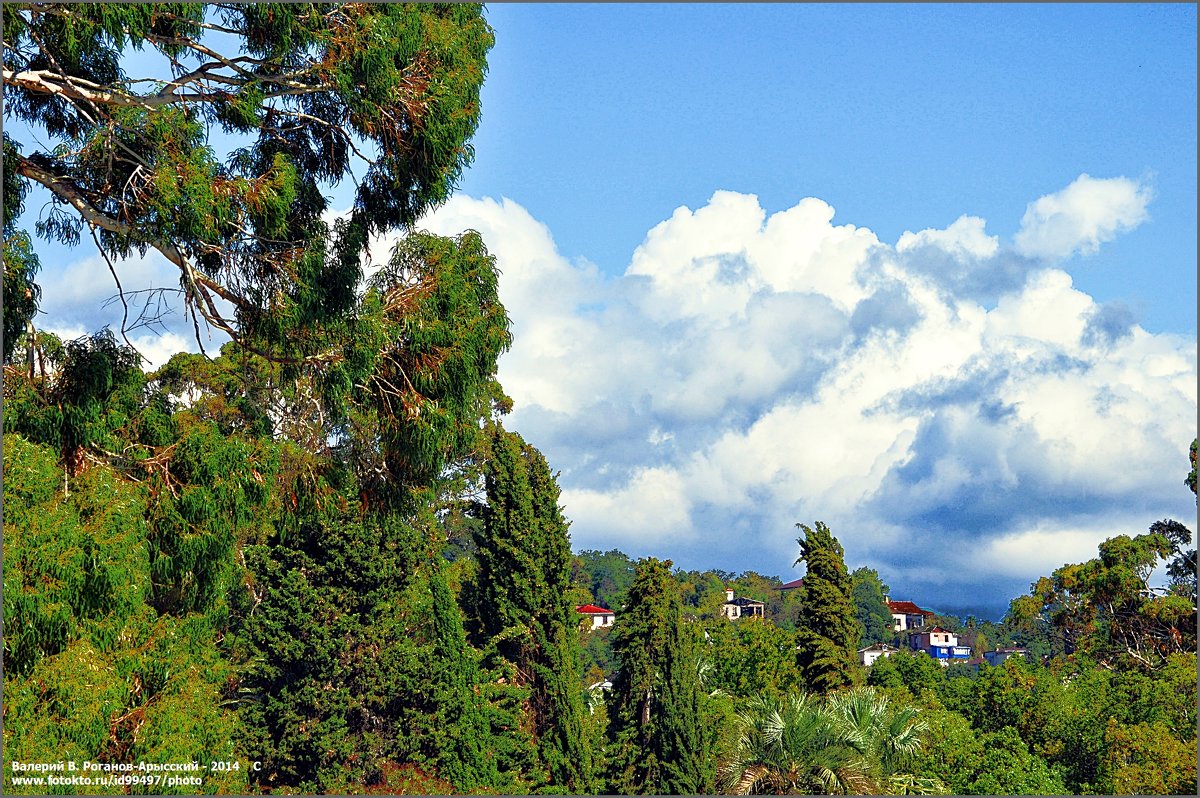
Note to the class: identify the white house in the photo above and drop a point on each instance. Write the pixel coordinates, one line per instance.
(600, 616)
(941, 644)
(735, 608)
(868, 655)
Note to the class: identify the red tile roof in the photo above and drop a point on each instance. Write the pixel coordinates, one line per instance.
(592, 609)
(935, 629)
(907, 608)
(795, 583)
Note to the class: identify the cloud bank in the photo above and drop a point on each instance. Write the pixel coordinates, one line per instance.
(960, 414)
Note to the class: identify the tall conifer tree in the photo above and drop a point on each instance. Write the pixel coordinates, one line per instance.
(658, 740)
(523, 602)
(827, 631)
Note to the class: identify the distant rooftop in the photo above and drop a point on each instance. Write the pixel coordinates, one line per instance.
(907, 608)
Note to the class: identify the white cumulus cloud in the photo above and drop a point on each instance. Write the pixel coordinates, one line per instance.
(751, 370)
(1081, 217)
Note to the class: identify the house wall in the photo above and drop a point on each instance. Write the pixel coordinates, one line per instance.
(927, 639)
(995, 658)
(601, 621)
(869, 657)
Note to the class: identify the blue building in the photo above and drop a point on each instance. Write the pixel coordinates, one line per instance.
(941, 644)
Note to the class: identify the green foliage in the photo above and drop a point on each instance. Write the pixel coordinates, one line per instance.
(70, 562)
(1182, 566)
(1190, 479)
(920, 672)
(787, 745)
(870, 607)
(93, 671)
(855, 742)
(459, 717)
(1047, 730)
(1017, 694)
(884, 673)
(384, 93)
(607, 575)
(359, 657)
(705, 591)
(827, 632)
(750, 656)
(237, 392)
(21, 264)
(1104, 608)
(658, 742)
(598, 661)
(524, 604)
(1146, 759)
(95, 390)
(993, 763)
(418, 373)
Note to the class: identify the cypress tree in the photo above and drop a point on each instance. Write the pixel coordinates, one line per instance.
(658, 742)
(827, 631)
(464, 758)
(523, 602)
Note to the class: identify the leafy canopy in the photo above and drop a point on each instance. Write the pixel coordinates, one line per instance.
(312, 94)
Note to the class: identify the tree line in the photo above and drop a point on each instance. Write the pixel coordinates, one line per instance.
(320, 549)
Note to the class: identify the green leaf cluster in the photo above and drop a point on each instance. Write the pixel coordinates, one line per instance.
(93, 670)
(384, 94)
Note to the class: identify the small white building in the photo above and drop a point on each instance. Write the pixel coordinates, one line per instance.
(997, 657)
(594, 696)
(735, 608)
(868, 655)
(600, 617)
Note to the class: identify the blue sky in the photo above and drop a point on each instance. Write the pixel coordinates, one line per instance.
(602, 119)
(925, 273)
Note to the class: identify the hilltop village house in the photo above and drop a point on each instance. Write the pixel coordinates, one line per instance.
(941, 644)
(869, 654)
(735, 608)
(906, 615)
(600, 616)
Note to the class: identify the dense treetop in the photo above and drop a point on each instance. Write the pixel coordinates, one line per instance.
(308, 95)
